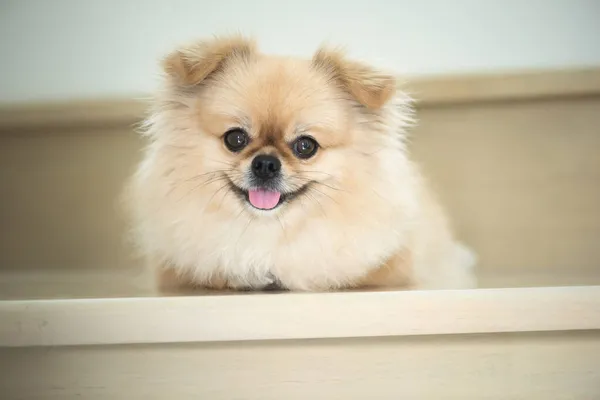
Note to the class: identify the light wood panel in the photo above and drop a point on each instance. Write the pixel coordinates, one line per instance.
(429, 91)
(521, 180)
(493, 367)
(260, 316)
(59, 199)
(515, 86)
(129, 282)
(514, 158)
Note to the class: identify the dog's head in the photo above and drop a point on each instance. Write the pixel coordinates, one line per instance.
(235, 127)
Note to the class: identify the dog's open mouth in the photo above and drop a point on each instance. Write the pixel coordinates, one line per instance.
(265, 198)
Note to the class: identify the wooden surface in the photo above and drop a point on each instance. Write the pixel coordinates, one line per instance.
(275, 316)
(428, 91)
(514, 158)
(519, 178)
(89, 283)
(59, 199)
(513, 87)
(71, 115)
(534, 366)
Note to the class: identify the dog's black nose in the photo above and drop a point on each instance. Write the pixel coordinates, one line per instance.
(265, 166)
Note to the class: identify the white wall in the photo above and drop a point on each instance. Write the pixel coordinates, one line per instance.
(60, 49)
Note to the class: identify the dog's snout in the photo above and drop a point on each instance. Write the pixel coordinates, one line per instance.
(266, 166)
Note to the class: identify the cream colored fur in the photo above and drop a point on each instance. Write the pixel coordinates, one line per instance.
(368, 219)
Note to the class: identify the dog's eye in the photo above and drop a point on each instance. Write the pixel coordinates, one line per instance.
(305, 147)
(236, 139)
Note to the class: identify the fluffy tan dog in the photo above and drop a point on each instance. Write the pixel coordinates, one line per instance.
(275, 172)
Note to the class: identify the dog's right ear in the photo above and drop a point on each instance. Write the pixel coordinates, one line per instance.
(190, 65)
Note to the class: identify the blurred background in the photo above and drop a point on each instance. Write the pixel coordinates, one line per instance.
(508, 99)
(70, 49)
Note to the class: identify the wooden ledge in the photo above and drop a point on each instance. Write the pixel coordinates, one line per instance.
(428, 92)
(514, 86)
(296, 316)
(71, 115)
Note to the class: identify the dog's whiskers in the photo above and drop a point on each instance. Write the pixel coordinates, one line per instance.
(224, 195)
(310, 189)
(217, 171)
(222, 162)
(307, 180)
(312, 198)
(205, 183)
(226, 185)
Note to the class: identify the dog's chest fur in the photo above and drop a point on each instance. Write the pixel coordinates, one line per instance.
(253, 253)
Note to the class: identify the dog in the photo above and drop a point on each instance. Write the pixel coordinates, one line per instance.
(265, 171)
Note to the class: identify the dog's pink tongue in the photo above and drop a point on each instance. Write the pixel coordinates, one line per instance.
(264, 199)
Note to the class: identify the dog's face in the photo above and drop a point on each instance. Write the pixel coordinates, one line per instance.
(270, 134)
(274, 126)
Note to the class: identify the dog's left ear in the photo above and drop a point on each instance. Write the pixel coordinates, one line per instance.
(370, 87)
